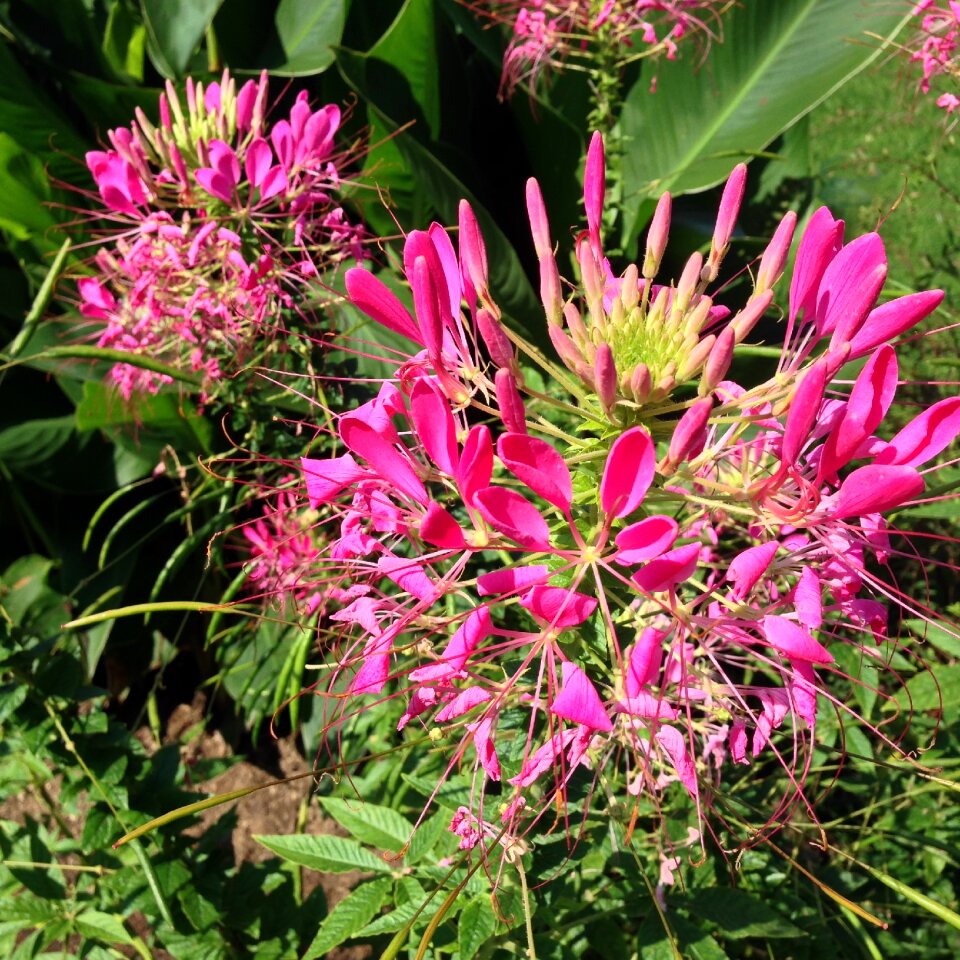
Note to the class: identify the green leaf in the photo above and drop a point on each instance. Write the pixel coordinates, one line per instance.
(307, 30)
(508, 281)
(348, 917)
(936, 636)
(931, 692)
(325, 853)
(777, 61)
(376, 826)
(34, 441)
(124, 43)
(476, 925)
(101, 926)
(737, 914)
(174, 30)
(25, 214)
(410, 46)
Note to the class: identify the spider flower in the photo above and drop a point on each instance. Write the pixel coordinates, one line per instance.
(183, 296)
(569, 595)
(934, 46)
(220, 153)
(547, 35)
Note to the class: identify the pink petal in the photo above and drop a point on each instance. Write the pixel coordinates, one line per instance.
(925, 436)
(645, 659)
(646, 539)
(274, 182)
(539, 466)
(628, 472)
(511, 514)
(594, 187)
(674, 745)
(378, 302)
(325, 479)
(793, 641)
(451, 267)
(215, 183)
(668, 570)
(427, 307)
(473, 253)
(869, 401)
(486, 752)
(804, 690)
(375, 670)
(578, 700)
(476, 462)
(876, 489)
(646, 706)
(749, 566)
(410, 576)
(558, 607)
(440, 529)
(463, 704)
(850, 285)
(257, 161)
(891, 319)
(808, 599)
(383, 457)
(473, 631)
(511, 580)
(435, 426)
(729, 206)
(224, 160)
(509, 401)
(804, 407)
(545, 758)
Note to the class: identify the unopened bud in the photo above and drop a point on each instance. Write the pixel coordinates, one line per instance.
(565, 347)
(696, 357)
(687, 284)
(749, 316)
(510, 402)
(497, 342)
(718, 363)
(640, 383)
(575, 324)
(775, 256)
(537, 215)
(594, 188)
(630, 288)
(605, 372)
(473, 253)
(689, 434)
(657, 237)
(729, 207)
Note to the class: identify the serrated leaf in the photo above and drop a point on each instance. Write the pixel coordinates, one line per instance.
(371, 824)
(777, 61)
(174, 30)
(737, 914)
(391, 922)
(325, 853)
(101, 926)
(307, 30)
(936, 636)
(348, 917)
(476, 925)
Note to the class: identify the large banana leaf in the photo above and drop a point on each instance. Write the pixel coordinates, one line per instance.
(777, 60)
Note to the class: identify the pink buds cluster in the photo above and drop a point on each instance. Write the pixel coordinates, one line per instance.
(633, 341)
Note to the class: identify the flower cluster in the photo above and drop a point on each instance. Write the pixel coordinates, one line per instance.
(546, 34)
(650, 587)
(182, 296)
(224, 213)
(935, 47)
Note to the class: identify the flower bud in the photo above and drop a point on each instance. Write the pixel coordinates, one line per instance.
(605, 373)
(495, 338)
(729, 208)
(696, 358)
(775, 256)
(473, 253)
(657, 237)
(718, 363)
(594, 188)
(510, 402)
(749, 316)
(689, 434)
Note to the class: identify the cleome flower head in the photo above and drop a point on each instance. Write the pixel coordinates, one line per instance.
(545, 35)
(184, 296)
(226, 215)
(220, 154)
(623, 603)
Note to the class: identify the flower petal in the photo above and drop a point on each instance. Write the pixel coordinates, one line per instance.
(558, 607)
(539, 466)
(793, 641)
(511, 514)
(578, 700)
(628, 472)
(646, 539)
